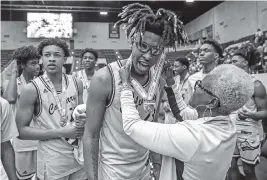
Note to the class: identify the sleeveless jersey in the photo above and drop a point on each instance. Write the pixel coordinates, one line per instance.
(23, 145)
(55, 154)
(120, 156)
(86, 83)
(250, 123)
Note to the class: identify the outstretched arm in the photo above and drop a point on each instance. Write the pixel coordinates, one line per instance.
(100, 88)
(179, 142)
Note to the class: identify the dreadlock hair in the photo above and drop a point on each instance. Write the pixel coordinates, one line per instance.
(140, 18)
(54, 41)
(250, 53)
(90, 51)
(24, 54)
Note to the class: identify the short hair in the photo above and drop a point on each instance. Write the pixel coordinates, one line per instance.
(25, 53)
(184, 61)
(232, 85)
(54, 41)
(250, 53)
(218, 48)
(90, 50)
(140, 18)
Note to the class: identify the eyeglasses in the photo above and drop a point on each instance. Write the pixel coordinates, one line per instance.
(144, 48)
(199, 84)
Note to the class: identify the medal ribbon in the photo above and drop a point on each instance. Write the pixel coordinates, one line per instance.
(60, 103)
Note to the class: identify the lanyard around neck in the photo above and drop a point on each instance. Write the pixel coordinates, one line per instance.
(60, 103)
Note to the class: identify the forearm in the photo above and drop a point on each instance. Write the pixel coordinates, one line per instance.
(31, 133)
(259, 115)
(173, 104)
(91, 151)
(8, 160)
(10, 93)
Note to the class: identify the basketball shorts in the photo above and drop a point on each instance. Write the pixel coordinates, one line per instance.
(26, 164)
(248, 146)
(79, 175)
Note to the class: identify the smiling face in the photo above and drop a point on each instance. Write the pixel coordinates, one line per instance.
(53, 58)
(143, 61)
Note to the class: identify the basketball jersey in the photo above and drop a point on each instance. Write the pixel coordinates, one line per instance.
(23, 145)
(55, 154)
(120, 156)
(250, 106)
(86, 83)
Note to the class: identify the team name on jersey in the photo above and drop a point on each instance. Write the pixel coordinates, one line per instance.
(53, 107)
(138, 101)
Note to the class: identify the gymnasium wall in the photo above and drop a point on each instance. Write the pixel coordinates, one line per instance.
(232, 20)
(94, 35)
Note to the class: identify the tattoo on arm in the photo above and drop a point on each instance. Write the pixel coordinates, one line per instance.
(95, 150)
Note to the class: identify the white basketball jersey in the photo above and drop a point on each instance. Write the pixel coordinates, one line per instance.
(23, 145)
(49, 117)
(86, 83)
(120, 156)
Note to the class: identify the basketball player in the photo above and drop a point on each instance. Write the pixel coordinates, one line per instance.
(120, 157)
(209, 54)
(28, 59)
(89, 59)
(50, 100)
(8, 132)
(249, 120)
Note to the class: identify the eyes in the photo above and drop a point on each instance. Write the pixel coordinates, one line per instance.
(56, 55)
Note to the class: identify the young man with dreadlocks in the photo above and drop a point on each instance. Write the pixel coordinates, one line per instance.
(120, 157)
(249, 119)
(27, 58)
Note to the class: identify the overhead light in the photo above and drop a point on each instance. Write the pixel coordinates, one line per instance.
(103, 13)
(190, 0)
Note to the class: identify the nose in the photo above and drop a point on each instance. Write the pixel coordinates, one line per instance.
(148, 55)
(52, 58)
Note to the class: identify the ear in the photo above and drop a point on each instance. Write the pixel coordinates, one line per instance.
(245, 63)
(184, 67)
(214, 102)
(216, 55)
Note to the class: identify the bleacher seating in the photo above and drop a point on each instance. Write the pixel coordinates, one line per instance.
(5, 58)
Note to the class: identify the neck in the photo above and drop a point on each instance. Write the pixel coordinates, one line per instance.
(141, 78)
(89, 71)
(27, 77)
(55, 78)
(208, 67)
(182, 75)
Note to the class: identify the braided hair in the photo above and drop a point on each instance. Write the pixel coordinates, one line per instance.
(140, 18)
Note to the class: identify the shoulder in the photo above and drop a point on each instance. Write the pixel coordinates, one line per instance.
(195, 75)
(101, 82)
(29, 91)
(259, 89)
